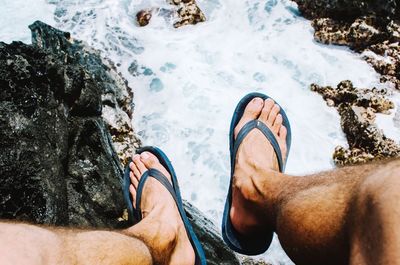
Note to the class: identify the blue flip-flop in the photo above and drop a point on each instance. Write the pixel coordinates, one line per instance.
(134, 213)
(236, 241)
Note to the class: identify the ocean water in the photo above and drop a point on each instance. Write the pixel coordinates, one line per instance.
(187, 81)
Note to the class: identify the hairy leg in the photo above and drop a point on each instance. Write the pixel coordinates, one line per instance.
(30, 244)
(326, 218)
(159, 238)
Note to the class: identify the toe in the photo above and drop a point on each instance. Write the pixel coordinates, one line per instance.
(132, 190)
(268, 106)
(273, 114)
(135, 170)
(151, 161)
(139, 164)
(251, 112)
(277, 124)
(282, 133)
(134, 180)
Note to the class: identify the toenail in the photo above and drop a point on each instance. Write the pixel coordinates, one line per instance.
(144, 155)
(258, 101)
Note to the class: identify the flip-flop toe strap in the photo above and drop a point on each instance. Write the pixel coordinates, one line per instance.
(154, 173)
(268, 134)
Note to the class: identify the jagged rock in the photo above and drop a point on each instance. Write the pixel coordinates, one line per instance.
(143, 17)
(189, 13)
(186, 12)
(58, 165)
(357, 108)
(372, 99)
(214, 247)
(116, 96)
(348, 10)
(368, 27)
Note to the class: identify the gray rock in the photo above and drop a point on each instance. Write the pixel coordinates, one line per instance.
(57, 164)
(214, 247)
(357, 108)
(116, 95)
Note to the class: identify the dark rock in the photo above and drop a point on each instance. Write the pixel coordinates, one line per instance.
(369, 27)
(115, 96)
(348, 10)
(143, 17)
(357, 108)
(214, 247)
(58, 165)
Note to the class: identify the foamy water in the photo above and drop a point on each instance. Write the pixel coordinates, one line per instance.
(188, 80)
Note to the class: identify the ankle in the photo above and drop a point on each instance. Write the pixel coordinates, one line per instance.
(259, 189)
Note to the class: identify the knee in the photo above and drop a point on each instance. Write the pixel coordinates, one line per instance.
(381, 189)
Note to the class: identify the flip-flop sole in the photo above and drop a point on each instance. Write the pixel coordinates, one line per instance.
(237, 242)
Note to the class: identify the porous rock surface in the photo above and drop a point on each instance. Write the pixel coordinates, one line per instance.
(369, 27)
(357, 108)
(183, 12)
(59, 101)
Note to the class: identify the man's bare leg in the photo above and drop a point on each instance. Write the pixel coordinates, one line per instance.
(346, 216)
(160, 238)
(30, 244)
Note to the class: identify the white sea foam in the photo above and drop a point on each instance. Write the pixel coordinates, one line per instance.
(16, 15)
(189, 80)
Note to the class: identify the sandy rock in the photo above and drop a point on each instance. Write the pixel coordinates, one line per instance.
(184, 12)
(357, 108)
(189, 14)
(368, 27)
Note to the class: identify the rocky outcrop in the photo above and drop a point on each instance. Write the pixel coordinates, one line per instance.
(185, 12)
(214, 247)
(57, 164)
(357, 108)
(59, 101)
(188, 12)
(368, 27)
(348, 10)
(115, 95)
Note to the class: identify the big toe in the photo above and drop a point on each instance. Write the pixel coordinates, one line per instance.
(151, 161)
(251, 112)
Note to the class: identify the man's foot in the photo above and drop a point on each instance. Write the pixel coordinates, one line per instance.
(158, 206)
(255, 168)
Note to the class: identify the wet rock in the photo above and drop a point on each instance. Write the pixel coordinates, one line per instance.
(143, 17)
(357, 108)
(348, 10)
(57, 164)
(185, 12)
(189, 13)
(214, 247)
(368, 27)
(116, 96)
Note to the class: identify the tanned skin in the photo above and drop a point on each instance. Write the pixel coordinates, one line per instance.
(349, 215)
